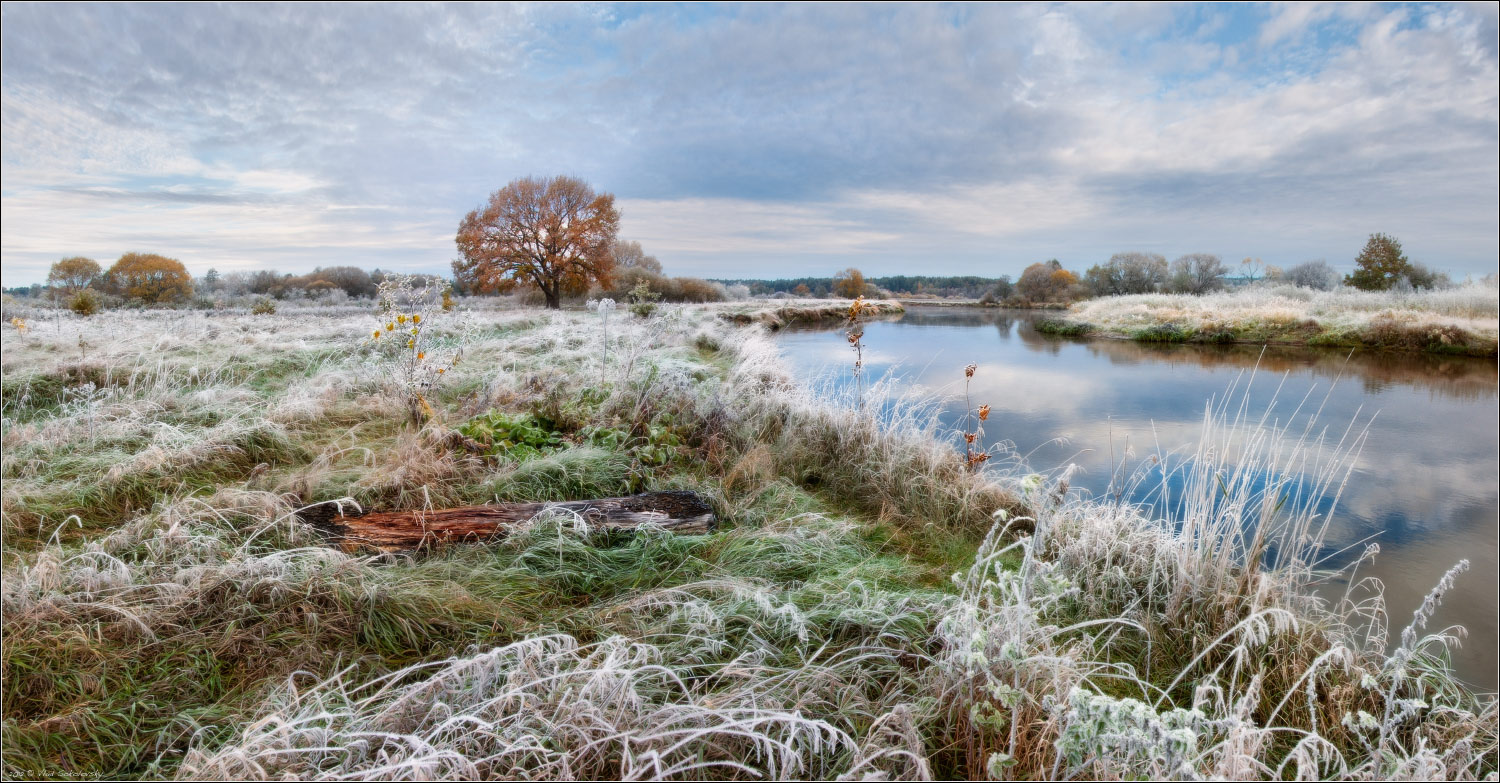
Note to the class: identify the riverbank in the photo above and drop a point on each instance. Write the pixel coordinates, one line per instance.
(805, 312)
(1460, 321)
(1006, 305)
(868, 607)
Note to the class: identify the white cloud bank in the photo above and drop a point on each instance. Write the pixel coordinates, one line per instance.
(778, 141)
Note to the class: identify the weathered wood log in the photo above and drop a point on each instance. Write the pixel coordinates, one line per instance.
(399, 531)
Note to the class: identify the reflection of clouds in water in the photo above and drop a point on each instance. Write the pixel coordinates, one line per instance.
(827, 356)
(1034, 391)
(1410, 568)
(1415, 500)
(1425, 479)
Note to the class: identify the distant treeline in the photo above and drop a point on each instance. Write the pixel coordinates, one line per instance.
(629, 274)
(964, 286)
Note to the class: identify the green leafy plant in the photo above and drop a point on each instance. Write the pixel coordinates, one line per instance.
(643, 299)
(656, 447)
(519, 437)
(263, 306)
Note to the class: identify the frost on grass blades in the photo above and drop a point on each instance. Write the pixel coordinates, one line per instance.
(1459, 320)
(166, 614)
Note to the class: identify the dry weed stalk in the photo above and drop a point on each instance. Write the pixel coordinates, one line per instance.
(406, 335)
(974, 456)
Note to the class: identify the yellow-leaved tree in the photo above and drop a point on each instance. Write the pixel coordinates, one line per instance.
(150, 278)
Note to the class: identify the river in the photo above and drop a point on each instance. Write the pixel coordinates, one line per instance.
(1424, 486)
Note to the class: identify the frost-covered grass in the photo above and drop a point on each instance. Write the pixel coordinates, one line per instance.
(1456, 320)
(868, 608)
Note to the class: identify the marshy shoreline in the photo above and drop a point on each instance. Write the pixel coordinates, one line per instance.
(869, 606)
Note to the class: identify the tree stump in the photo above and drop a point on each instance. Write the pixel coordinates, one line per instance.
(401, 531)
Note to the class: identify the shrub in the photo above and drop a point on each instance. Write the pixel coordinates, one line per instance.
(1318, 275)
(1420, 276)
(86, 302)
(643, 300)
(1219, 336)
(692, 289)
(263, 306)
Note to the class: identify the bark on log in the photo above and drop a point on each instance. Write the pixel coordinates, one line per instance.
(399, 531)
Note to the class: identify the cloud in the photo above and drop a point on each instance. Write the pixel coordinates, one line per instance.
(786, 136)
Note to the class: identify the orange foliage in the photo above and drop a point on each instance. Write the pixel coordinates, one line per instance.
(74, 273)
(151, 278)
(1047, 282)
(554, 235)
(849, 283)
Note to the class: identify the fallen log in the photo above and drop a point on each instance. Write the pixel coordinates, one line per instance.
(399, 531)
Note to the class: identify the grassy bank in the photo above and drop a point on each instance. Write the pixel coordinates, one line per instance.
(804, 311)
(1460, 321)
(869, 607)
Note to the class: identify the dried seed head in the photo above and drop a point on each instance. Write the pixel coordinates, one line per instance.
(969, 371)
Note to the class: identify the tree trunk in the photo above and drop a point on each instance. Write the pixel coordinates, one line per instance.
(396, 531)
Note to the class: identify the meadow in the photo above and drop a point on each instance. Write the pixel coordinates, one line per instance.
(870, 606)
(1459, 320)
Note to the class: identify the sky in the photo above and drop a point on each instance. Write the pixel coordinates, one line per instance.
(756, 140)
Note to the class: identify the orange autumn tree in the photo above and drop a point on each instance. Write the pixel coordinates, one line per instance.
(849, 283)
(1047, 282)
(555, 235)
(151, 278)
(74, 274)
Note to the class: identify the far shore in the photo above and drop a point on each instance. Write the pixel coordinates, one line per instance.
(1460, 321)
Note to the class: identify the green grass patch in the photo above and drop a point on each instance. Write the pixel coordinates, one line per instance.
(1063, 328)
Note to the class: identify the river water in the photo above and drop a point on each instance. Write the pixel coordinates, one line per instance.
(1424, 486)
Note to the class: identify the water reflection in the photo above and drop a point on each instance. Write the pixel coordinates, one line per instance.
(1425, 483)
(1457, 376)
